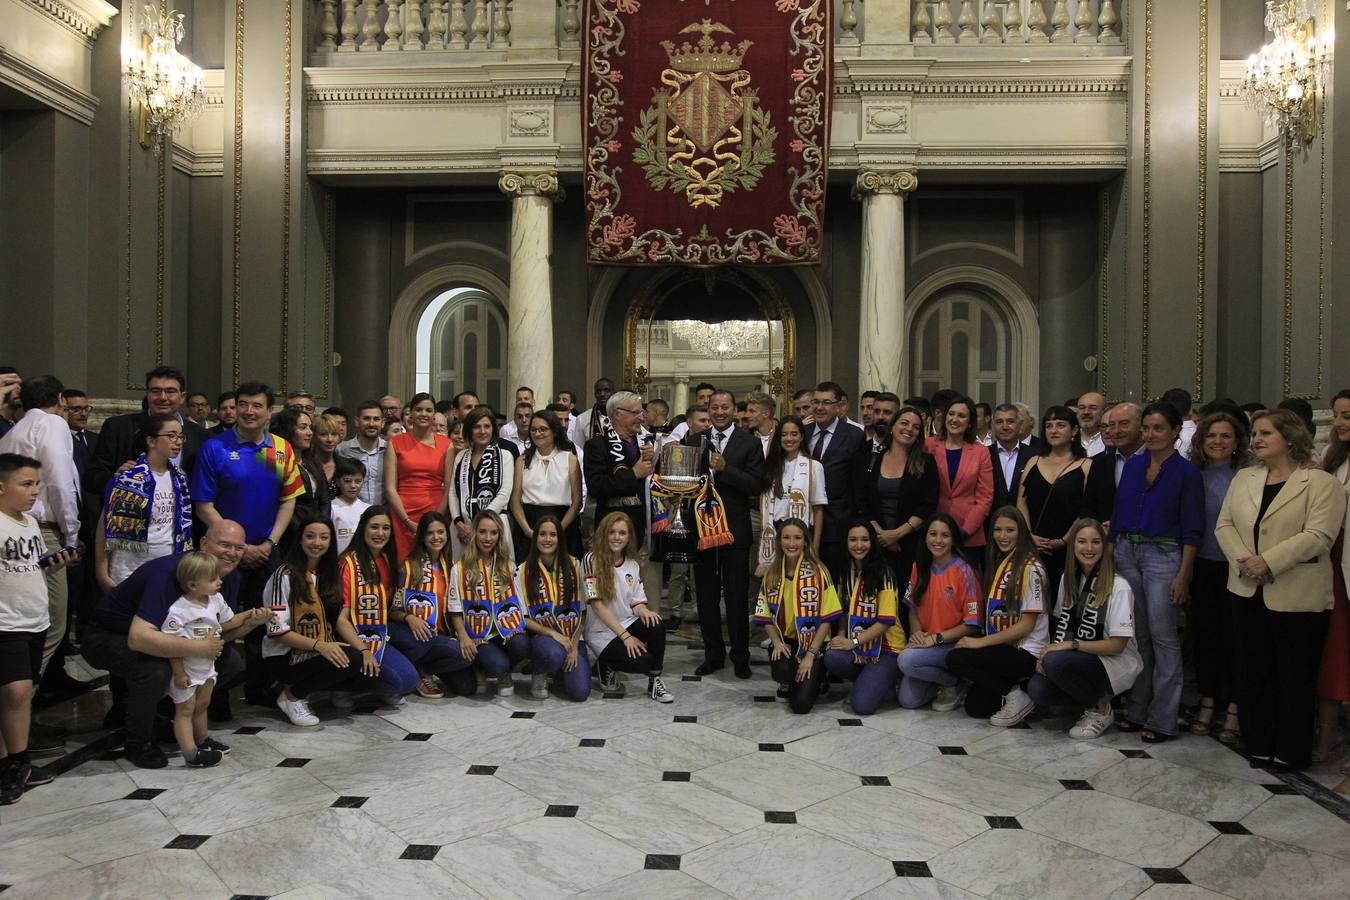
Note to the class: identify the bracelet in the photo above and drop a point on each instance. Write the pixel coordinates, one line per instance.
(316, 644)
(625, 636)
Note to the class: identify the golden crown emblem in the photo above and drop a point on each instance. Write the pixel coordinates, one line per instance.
(706, 56)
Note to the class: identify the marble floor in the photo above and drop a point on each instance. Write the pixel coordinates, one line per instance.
(721, 794)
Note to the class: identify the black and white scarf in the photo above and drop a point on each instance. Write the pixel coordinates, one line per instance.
(616, 451)
(599, 423)
(479, 487)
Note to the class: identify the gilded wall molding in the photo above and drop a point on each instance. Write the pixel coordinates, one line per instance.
(286, 205)
(329, 236)
(529, 183)
(1104, 284)
(161, 240)
(1146, 286)
(885, 181)
(1202, 211)
(237, 212)
(1287, 354)
(126, 252)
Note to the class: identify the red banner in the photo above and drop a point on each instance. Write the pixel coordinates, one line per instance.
(707, 126)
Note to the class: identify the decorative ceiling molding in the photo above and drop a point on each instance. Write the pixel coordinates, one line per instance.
(83, 18)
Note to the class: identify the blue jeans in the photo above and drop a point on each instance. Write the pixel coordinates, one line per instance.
(549, 655)
(1156, 695)
(438, 656)
(397, 673)
(497, 657)
(924, 671)
(872, 682)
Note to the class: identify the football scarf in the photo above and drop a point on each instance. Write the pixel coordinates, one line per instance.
(863, 613)
(490, 607)
(128, 507)
(308, 618)
(420, 595)
(805, 609)
(479, 485)
(369, 607)
(550, 608)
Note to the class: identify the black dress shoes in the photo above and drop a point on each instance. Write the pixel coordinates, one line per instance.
(707, 668)
(742, 669)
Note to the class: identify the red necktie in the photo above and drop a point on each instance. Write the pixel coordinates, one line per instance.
(819, 449)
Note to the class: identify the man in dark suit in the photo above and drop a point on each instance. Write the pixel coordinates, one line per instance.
(844, 453)
(616, 476)
(119, 441)
(1123, 434)
(735, 460)
(1008, 454)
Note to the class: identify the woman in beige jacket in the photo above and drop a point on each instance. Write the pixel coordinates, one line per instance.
(1276, 527)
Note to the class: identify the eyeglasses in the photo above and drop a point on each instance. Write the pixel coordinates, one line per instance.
(163, 391)
(233, 548)
(631, 412)
(173, 437)
(79, 410)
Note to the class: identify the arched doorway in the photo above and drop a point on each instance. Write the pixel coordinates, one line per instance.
(975, 330)
(732, 328)
(461, 346)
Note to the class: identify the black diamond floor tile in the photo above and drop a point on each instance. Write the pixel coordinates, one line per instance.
(522, 714)
(1003, 822)
(609, 695)
(349, 802)
(1281, 788)
(248, 897)
(780, 818)
(915, 869)
(952, 751)
(481, 770)
(674, 776)
(765, 698)
(560, 811)
(667, 861)
(420, 851)
(1166, 876)
(1229, 827)
(249, 729)
(771, 748)
(875, 781)
(691, 677)
(187, 842)
(1074, 784)
(144, 794)
(1135, 754)
(417, 736)
(686, 720)
(850, 723)
(592, 742)
(292, 762)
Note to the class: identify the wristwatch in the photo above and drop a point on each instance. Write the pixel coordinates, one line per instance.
(939, 639)
(856, 644)
(1075, 643)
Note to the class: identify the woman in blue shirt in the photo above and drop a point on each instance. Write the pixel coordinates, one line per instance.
(1156, 527)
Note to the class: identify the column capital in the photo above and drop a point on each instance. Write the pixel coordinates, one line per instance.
(885, 181)
(530, 183)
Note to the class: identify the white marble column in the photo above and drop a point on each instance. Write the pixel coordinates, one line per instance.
(530, 303)
(881, 325)
(680, 404)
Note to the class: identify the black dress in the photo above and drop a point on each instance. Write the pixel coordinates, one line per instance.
(1052, 507)
(897, 501)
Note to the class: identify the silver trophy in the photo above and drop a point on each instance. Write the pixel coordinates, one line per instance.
(679, 469)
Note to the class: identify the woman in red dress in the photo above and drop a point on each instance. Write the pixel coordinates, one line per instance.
(1333, 681)
(414, 472)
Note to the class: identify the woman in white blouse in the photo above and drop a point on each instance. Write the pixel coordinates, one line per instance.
(479, 478)
(795, 488)
(547, 481)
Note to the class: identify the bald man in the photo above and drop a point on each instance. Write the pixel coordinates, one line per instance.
(125, 639)
(1090, 407)
(1123, 434)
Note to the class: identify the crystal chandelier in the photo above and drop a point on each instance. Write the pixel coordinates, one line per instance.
(719, 340)
(166, 83)
(1285, 77)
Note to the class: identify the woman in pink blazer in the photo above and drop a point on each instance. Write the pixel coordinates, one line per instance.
(965, 473)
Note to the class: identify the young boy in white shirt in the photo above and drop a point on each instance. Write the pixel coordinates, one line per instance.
(23, 619)
(347, 506)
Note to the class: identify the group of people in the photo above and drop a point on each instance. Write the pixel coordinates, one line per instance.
(938, 552)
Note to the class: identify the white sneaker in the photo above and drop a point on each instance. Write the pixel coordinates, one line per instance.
(505, 687)
(296, 710)
(949, 698)
(766, 643)
(539, 686)
(79, 669)
(1017, 705)
(658, 692)
(1095, 721)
